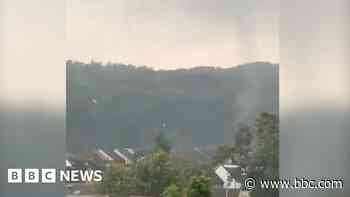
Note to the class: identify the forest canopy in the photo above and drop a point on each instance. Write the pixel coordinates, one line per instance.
(114, 105)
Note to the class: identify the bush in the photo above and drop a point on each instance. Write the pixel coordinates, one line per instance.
(171, 191)
(199, 187)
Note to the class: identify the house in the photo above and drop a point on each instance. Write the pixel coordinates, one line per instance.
(230, 176)
(74, 163)
(103, 155)
(131, 151)
(68, 164)
(122, 156)
(101, 159)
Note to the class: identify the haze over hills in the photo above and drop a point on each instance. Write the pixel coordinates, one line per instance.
(118, 105)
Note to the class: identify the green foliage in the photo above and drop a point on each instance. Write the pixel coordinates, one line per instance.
(243, 136)
(171, 191)
(130, 102)
(268, 144)
(156, 173)
(257, 148)
(162, 144)
(223, 153)
(267, 154)
(119, 181)
(199, 187)
(148, 177)
(165, 174)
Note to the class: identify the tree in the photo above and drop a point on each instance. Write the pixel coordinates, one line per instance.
(242, 154)
(155, 173)
(149, 176)
(171, 191)
(119, 181)
(162, 144)
(199, 187)
(187, 166)
(244, 136)
(223, 153)
(132, 100)
(266, 164)
(267, 153)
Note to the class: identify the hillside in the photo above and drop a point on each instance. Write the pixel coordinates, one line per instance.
(123, 105)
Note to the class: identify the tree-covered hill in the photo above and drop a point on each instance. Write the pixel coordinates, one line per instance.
(118, 105)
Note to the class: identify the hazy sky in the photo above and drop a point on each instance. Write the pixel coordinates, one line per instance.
(37, 36)
(170, 34)
(314, 53)
(32, 46)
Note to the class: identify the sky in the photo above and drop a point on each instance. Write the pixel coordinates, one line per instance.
(32, 43)
(308, 38)
(171, 34)
(314, 52)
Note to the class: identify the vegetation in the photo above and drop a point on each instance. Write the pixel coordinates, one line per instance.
(149, 176)
(116, 105)
(222, 154)
(119, 181)
(167, 175)
(162, 144)
(171, 191)
(199, 187)
(266, 158)
(155, 173)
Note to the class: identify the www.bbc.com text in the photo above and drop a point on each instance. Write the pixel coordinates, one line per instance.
(296, 183)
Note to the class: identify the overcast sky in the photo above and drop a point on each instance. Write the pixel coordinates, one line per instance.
(314, 53)
(171, 34)
(37, 36)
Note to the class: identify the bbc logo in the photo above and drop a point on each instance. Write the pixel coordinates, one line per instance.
(31, 175)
